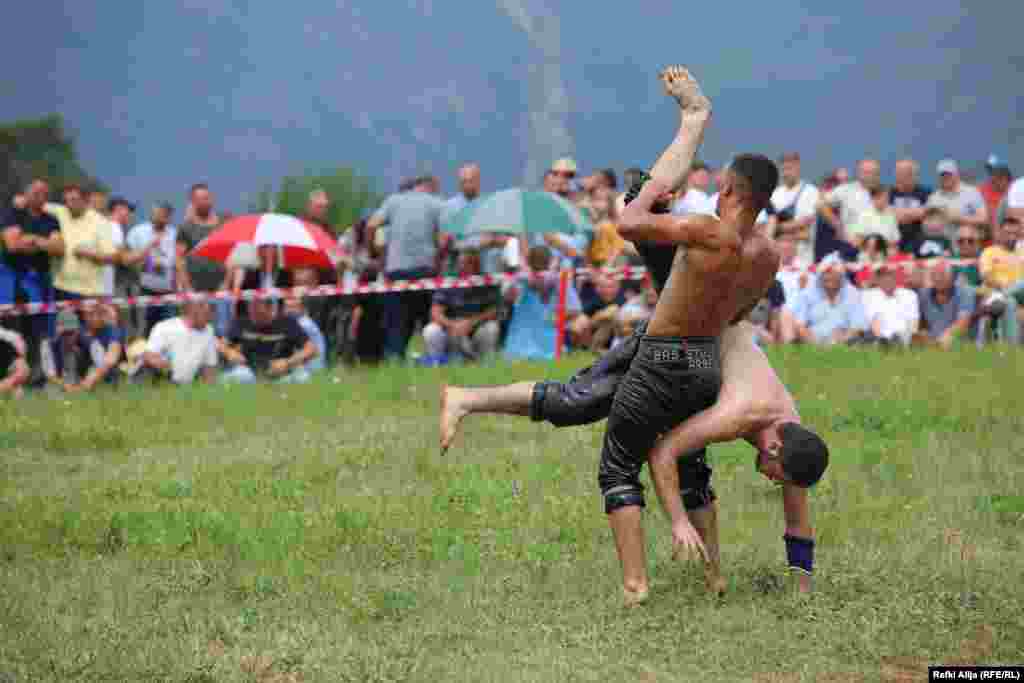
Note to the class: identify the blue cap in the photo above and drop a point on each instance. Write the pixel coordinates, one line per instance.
(997, 163)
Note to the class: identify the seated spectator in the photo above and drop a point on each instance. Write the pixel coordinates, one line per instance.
(601, 299)
(892, 311)
(266, 344)
(14, 370)
(968, 248)
(873, 253)
(296, 308)
(877, 219)
(463, 321)
(947, 307)
(534, 301)
(62, 359)
(934, 242)
(1002, 273)
(831, 312)
(102, 346)
(185, 347)
(766, 318)
(638, 309)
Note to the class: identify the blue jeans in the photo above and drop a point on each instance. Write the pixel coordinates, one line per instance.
(30, 286)
(402, 310)
(243, 374)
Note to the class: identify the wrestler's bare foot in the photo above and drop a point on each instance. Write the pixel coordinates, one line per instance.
(715, 583)
(634, 597)
(682, 86)
(452, 412)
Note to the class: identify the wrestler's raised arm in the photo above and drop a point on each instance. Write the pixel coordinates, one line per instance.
(674, 163)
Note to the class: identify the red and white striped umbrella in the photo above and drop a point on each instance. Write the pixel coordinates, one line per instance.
(304, 244)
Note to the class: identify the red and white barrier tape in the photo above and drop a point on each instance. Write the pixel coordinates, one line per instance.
(425, 284)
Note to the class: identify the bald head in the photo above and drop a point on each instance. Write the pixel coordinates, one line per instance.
(469, 181)
(906, 175)
(869, 173)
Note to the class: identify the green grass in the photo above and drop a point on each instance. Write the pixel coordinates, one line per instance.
(218, 534)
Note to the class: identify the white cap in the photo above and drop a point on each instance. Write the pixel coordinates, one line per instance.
(947, 166)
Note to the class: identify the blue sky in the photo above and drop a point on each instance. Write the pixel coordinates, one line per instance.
(237, 93)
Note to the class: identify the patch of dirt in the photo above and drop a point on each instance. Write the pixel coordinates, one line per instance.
(216, 648)
(261, 667)
(776, 677)
(904, 669)
(977, 648)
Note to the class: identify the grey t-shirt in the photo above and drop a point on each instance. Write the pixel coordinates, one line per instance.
(967, 201)
(412, 218)
(207, 275)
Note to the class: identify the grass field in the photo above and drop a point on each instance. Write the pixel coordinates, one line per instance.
(314, 534)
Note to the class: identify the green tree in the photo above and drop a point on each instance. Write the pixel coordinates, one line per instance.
(349, 192)
(39, 148)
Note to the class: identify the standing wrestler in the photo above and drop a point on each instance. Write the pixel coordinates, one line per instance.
(676, 373)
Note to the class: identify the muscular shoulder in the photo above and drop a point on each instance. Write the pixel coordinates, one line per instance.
(763, 254)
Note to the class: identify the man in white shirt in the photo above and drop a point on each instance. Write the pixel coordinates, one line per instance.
(850, 199)
(696, 199)
(893, 312)
(1015, 200)
(796, 205)
(184, 347)
(962, 203)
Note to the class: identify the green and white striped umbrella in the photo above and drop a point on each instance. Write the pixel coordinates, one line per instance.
(517, 211)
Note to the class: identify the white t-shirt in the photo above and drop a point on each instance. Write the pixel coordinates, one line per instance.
(806, 197)
(694, 202)
(1015, 197)
(158, 270)
(109, 272)
(187, 349)
(898, 314)
(852, 199)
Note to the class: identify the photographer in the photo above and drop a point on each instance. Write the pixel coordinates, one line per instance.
(795, 203)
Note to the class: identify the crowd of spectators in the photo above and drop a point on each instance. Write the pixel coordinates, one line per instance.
(863, 263)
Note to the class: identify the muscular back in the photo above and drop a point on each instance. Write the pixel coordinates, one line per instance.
(709, 286)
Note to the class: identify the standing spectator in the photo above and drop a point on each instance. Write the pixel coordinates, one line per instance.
(154, 248)
(568, 250)
(607, 246)
(31, 237)
(88, 248)
(99, 202)
(1015, 200)
(961, 203)
(1002, 274)
(695, 200)
(102, 345)
(947, 307)
(908, 199)
(464, 321)
(795, 202)
(205, 274)
(413, 224)
(266, 344)
(831, 312)
(842, 207)
(933, 239)
(566, 170)
(534, 302)
(995, 189)
(489, 244)
(318, 207)
(184, 348)
(14, 370)
(892, 312)
(968, 248)
(878, 219)
(297, 309)
(361, 330)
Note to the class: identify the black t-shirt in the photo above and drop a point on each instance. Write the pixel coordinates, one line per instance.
(932, 246)
(658, 260)
(206, 274)
(467, 302)
(42, 225)
(8, 355)
(261, 345)
(593, 303)
(910, 233)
